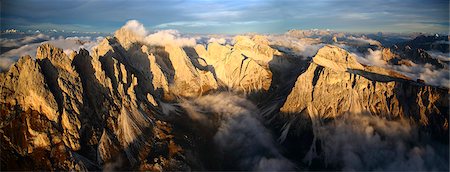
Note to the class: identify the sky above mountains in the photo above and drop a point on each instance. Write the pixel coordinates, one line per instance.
(226, 16)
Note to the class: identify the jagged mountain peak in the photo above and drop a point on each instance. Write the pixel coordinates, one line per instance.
(336, 58)
(126, 37)
(152, 107)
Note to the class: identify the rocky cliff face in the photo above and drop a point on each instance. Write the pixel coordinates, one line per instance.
(245, 66)
(336, 84)
(435, 42)
(132, 105)
(405, 55)
(102, 110)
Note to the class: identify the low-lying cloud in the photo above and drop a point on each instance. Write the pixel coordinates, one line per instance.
(364, 142)
(161, 37)
(305, 47)
(68, 44)
(426, 72)
(241, 137)
(23, 41)
(221, 41)
(373, 58)
(172, 37)
(360, 41)
(445, 57)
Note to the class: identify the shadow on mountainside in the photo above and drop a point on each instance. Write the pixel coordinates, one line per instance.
(285, 71)
(51, 75)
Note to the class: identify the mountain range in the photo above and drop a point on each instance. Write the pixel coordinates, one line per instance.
(127, 104)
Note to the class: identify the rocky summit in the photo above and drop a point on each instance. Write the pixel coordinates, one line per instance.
(128, 104)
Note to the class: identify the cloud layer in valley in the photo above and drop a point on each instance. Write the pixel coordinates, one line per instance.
(5, 42)
(305, 47)
(240, 136)
(28, 47)
(426, 72)
(364, 143)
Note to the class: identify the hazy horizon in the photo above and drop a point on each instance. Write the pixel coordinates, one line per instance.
(228, 17)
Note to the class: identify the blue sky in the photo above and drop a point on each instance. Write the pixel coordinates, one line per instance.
(225, 16)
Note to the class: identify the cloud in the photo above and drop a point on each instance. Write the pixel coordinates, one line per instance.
(305, 47)
(240, 136)
(221, 41)
(356, 16)
(362, 41)
(359, 142)
(68, 45)
(218, 38)
(445, 57)
(105, 15)
(189, 24)
(426, 72)
(161, 37)
(22, 41)
(81, 38)
(173, 37)
(374, 58)
(5, 63)
(136, 27)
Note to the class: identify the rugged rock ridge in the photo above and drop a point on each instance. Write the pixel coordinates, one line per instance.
(435, 42)
(407, 55)
(335, 84)
(105, 107)
(127, 103)
(94, 117)
(245, 66)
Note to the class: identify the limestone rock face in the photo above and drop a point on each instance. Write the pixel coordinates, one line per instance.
(65, 84)
(40, 111)
(415, 52)
(159, 80)
(245, 66)
(326, 90)
(127, 37)
(188, 81)
(25, 85)
(137, 106)
(336, 58)
(256, 48)
(82, 111)
(162, 71)
(387, 54)
(50, 86)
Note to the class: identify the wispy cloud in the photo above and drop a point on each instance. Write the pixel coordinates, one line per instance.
(208, 15)
(188, 24)
(356, 16)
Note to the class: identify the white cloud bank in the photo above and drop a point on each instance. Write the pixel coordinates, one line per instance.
(136, 27)
(68, 44)
(358, 142)
(241, 138)
(426, 72)
(374, 58)
(161, 37)
(221, 41)
(362, 41)
(23, 41)
(445, 57)
(173, 37)
(305, 47)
